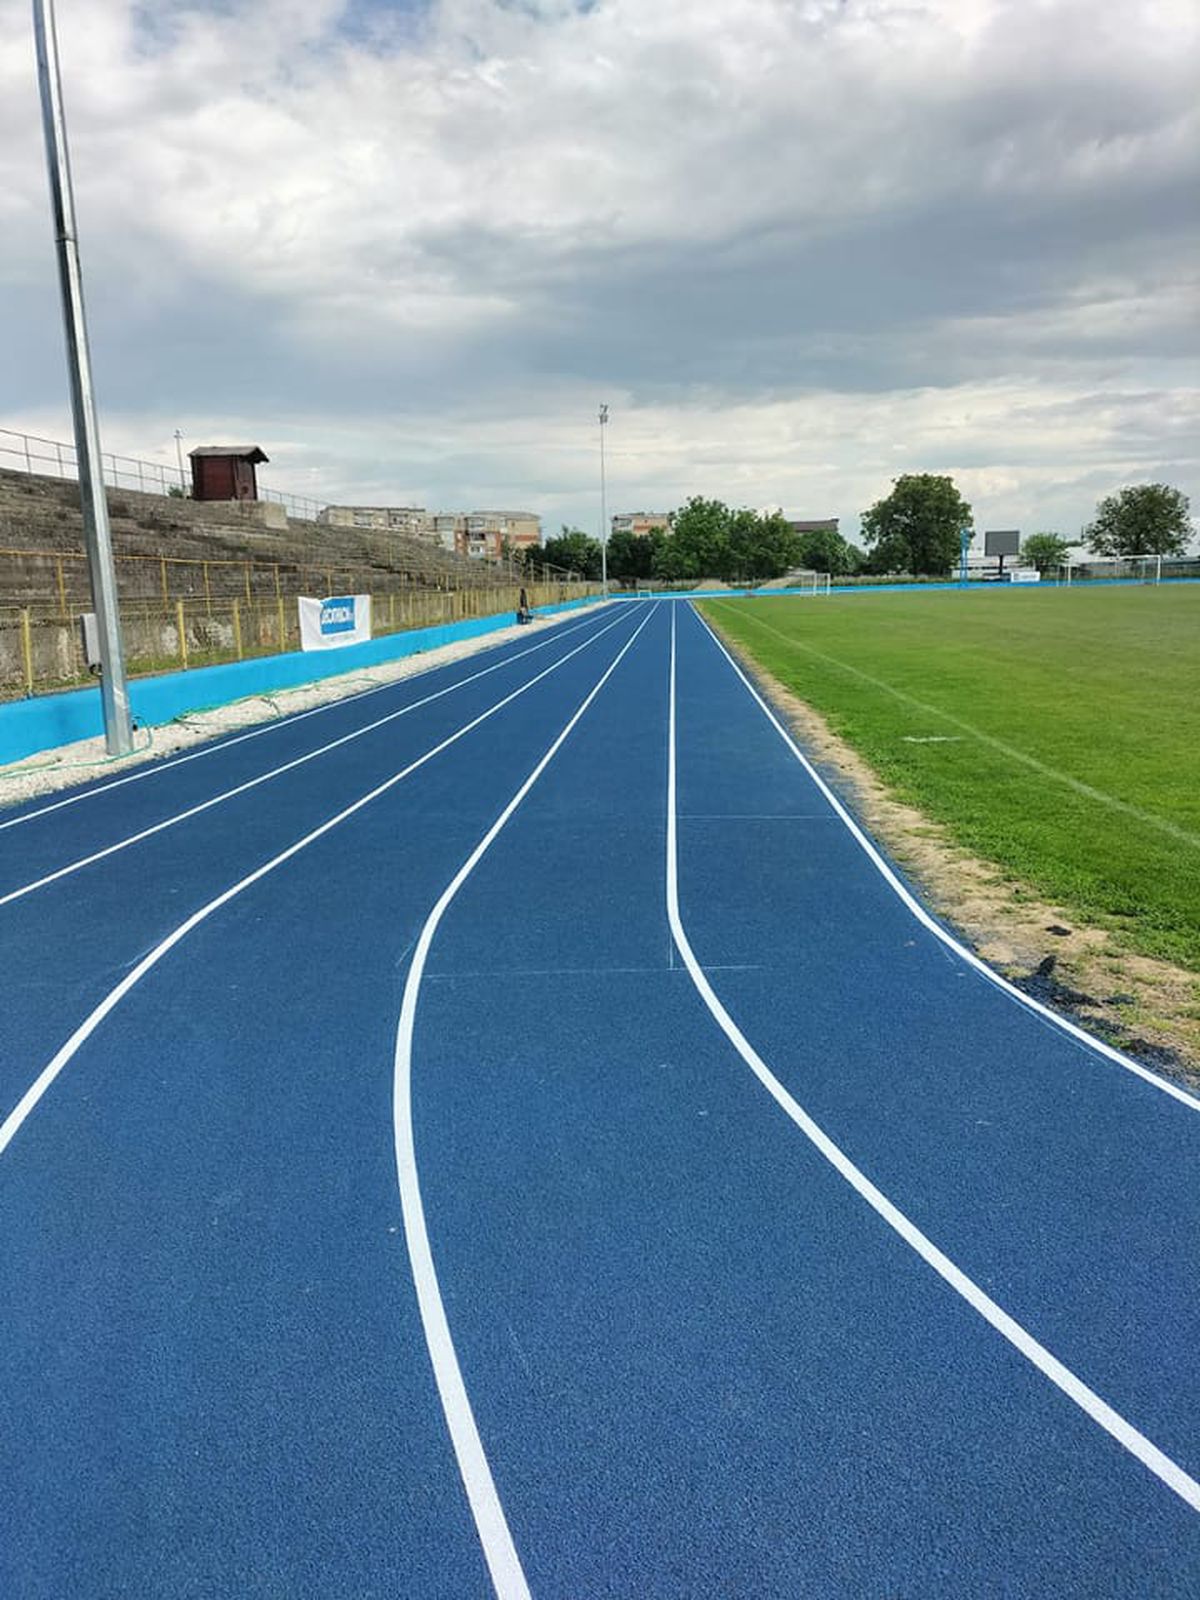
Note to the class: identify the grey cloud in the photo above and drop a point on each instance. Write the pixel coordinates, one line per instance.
(671, 225)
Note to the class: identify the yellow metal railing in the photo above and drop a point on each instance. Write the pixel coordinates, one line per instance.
(41, 646)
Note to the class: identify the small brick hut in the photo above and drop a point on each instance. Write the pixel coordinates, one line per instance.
(225, 472)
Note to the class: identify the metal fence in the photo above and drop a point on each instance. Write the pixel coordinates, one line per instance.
(41, 647)
(1130, 569)
(54, 458)
(56, 581)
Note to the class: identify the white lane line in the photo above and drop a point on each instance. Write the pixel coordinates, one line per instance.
(1160, 1464)
(212, 749)
(1101, 796)
(12, 1124)
(508, 1578)
(926, 921)
(253, 783)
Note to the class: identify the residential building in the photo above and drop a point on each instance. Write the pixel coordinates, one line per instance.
(414, 521)
(485, 535)
(640, 523)
(826, 525)
(482, 534)
(447, 526)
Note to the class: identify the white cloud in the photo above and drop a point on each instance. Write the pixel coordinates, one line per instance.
(807, 243)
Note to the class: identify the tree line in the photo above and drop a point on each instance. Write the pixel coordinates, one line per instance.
(703, 539)
(915, 529)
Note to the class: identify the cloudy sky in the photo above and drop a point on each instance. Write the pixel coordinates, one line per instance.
(799, 246)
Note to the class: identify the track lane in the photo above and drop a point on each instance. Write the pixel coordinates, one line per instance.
(213, 1367)
(97, 926)
(699, 1366)
(695, 1367)
(33, 842)
(1059, 1182)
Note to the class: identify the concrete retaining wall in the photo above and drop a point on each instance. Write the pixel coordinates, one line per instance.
(47, 721)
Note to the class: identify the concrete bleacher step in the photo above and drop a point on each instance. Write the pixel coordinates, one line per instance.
(39, 514)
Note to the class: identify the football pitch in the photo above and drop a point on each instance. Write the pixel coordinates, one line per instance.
(1056, 734)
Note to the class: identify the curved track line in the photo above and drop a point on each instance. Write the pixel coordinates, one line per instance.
(1161, 1465)
(500, 1553)
(253, 783)
(169, 763)
(935, 927)
(16, 1118)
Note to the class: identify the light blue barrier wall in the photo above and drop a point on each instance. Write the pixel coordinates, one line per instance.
(47, 721)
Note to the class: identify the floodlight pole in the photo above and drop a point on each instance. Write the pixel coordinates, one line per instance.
(964, 543)
(603, 507)
(118, 728)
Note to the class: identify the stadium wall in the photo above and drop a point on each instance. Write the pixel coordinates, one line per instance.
(28, 727)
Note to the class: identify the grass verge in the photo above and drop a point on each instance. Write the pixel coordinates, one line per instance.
(1087, 966)
(1056, 734)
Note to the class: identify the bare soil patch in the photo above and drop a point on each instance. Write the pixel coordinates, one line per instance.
(1148, 1008)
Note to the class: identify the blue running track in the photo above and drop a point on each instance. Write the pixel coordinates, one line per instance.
(509, 1134)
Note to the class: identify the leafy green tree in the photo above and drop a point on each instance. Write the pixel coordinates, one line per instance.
(1045, 551)
(575, 550)
(776, 547)
(699, 543)
(631, 555)
(743, 554)
(824, 550)
(890, 553)
(668, 560)
(1145, 519)
(916, 527)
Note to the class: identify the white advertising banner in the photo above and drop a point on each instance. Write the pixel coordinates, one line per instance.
(329, 624)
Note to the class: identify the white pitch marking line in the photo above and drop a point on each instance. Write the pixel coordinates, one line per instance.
(926, 921)
(253, 783)
(212, 749)
(12, 1124)
(1101, 796)
(1161, 1465)
(508, 1578)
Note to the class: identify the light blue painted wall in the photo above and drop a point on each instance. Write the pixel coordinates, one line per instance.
(47, 721)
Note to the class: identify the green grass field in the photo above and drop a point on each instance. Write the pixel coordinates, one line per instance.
(1063, 729)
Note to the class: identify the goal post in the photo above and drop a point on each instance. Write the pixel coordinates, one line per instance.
(809, 582)
(1155, 570)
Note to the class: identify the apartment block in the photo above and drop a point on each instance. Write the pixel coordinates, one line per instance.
(640, 523)
(484, 534)
(414, 521)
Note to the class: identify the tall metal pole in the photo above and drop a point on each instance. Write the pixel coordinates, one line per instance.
(118, 728)
(179, 457)
(603, 507)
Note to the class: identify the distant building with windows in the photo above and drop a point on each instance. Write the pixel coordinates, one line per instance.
(640, 523)
(827, 525)
(485, 535)
(479, 533)
(482, 534)
(447, 525)
(414, 521)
